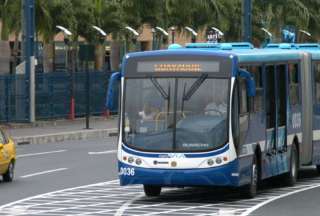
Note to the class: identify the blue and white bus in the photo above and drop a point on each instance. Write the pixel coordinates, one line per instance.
(216, 115)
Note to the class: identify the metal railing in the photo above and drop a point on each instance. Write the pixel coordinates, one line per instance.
(53, 95)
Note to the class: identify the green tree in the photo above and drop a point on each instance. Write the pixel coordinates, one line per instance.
(275, 15)
(11, 23)
(49, 14)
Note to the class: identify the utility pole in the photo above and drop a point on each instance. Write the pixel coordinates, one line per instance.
(153, 31)
(173, 32)
(28, 32)
(247, 20)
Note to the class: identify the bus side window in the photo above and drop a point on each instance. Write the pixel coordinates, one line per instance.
(256, 102)
(317, 83)
(243, 110)
(243, 98)
(235, 115)
(294, 84)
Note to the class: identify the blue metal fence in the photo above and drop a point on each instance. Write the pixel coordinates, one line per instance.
(13, 100)
(53, 95)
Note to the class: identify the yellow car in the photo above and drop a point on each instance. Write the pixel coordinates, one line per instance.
(7, 156)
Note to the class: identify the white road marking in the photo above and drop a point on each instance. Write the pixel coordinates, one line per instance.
(124, 207)
(108, 198)
(42, 173)
(102, 152)
(41, 153)
(252, 209)
(52, 193)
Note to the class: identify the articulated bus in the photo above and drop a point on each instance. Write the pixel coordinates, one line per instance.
(217, 115)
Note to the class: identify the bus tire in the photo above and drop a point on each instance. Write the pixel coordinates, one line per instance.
(152, 190)
(250, 190)
(9, 175)
(291, 177)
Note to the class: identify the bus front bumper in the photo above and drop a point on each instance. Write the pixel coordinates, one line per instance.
(226, 175)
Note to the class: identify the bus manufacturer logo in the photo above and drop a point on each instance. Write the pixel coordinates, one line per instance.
(176, 155)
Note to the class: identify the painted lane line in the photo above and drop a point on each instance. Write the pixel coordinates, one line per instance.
(124, 207)
(41, 153)
(55, 192)
(44, 172)
(102, 152)
(252, 209)
(65, 200)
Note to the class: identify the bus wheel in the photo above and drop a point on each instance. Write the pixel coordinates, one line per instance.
(292, 176)
(8, 176)
(152, 190)
(250, 190)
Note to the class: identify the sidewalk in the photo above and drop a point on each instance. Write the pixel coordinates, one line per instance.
(62, 130)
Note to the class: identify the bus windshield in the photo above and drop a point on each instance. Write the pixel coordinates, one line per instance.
(175, 114)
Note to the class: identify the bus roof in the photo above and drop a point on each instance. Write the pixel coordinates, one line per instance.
(312, 48)
(245, 52)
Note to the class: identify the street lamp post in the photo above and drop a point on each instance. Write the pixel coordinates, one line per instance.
(135, 34)
(67, 34)
(102, 37)
(305, 33)
(194, 34)
(28, 32)
(269, 39)
(247, 20)
(153, 31)
(163, 32)
(173, 31)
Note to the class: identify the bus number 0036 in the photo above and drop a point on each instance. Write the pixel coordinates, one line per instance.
(126, 171)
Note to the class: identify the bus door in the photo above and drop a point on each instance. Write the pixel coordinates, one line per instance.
(270, 119)
(276, 117)
(281, 118)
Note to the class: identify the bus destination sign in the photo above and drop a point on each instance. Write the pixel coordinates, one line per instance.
(178, 66)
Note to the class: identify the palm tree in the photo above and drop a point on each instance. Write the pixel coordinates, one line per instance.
(11, 23)
(49, 14)
(275, 15)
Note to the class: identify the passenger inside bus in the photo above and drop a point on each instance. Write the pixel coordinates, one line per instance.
(149, 111)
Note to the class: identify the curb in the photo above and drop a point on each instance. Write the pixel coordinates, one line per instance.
(55, 122)
(66, 136)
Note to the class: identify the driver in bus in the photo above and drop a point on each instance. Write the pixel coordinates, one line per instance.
(149, 112)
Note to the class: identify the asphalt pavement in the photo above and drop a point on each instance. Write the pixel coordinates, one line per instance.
(55, 166)
(80, 178)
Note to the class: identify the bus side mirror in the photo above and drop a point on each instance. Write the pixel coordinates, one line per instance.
(112, 99)
(251, 85)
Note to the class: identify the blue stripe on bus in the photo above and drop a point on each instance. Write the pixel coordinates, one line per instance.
(167, 155)
(216, 176)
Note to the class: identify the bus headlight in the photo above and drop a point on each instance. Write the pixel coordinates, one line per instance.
(210, 162)
(138, 161)
(130, 160)
(218, 160)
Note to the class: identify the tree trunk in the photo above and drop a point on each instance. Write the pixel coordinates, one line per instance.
(99, 56)
(115, 55)
(15, 51)
(48, 57)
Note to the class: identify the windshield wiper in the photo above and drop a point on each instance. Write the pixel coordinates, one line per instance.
(195, 86)
(159, 88)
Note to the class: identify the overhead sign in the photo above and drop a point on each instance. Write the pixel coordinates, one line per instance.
(178, 66)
